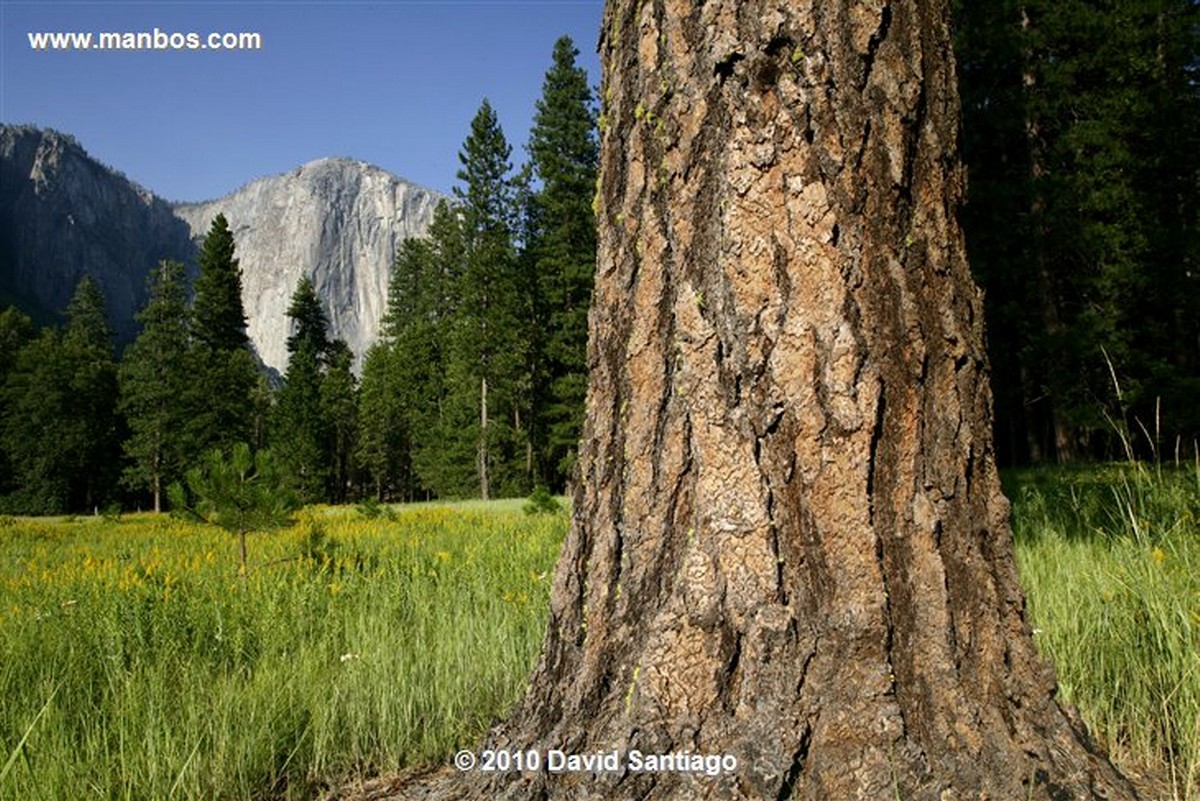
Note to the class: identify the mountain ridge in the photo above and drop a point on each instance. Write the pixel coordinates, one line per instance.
(338, 220)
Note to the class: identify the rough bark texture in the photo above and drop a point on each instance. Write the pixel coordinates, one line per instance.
(789, 542)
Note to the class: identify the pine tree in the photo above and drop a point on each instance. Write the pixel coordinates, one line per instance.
(60, 428)
(242, 493)
(420, 331)
(382, 449)
(486, 354)
(310, 324)
(339, 408)
(299, 431)
(564, 151)
(225, 373)
(88, 348)
(16, 331)
(154, 379)
(789, 544)
(219, 318)
(1082, 135)
(403, 372)
(39, 429)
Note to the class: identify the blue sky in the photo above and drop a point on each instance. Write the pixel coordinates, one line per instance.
(393, 83)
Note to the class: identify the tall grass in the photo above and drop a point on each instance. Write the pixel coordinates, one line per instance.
(136, 664)
(1110, 559)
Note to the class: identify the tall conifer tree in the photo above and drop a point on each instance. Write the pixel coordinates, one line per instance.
(486, 357)
(300, 432)
(218, 313)
(1082, 136)
(154, 377)
(221, 396)
(382, 445)
(339, 408)
(16, 331)
(563, 149)
(60, 426)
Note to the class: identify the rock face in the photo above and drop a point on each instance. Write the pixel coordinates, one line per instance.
(63, 214)
(339, 221)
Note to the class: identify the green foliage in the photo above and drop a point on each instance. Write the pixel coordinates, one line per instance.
(564, 153)
(382, 448)
(477, 385)
(59, 430)
(1110, 558)
(220, 402)
(37, 427)
(339, 409)
(317, 547)
(315, 419)
(406, 645)
(299, 431)
(1082, 137)
(155, 381)
(241, 493)
(16, 331)
(403, 381)
(218, 314)
(541, 502)
(371, 509)
(486, 352)
(309, 323)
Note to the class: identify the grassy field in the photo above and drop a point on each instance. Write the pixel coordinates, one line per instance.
(1110, 561)
(136, 664)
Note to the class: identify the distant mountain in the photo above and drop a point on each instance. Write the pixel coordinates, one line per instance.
(339, 221)
(63, 214)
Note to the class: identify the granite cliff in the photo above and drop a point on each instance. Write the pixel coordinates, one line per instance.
(63, 214)
(338, 221)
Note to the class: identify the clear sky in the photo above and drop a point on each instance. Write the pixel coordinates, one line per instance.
(394, 83)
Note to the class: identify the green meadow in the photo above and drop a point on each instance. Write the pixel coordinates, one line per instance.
(138, 664)
(1110, 561)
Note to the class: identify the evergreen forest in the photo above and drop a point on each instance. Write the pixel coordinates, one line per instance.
(1081, 138)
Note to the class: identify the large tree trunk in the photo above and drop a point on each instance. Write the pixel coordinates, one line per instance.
(789, 541)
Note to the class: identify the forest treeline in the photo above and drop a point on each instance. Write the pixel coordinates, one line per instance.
(475, 387)
(1082, 141)
(1081, 135)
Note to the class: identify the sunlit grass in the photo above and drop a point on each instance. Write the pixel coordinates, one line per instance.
(137, 664)
(1110, 558)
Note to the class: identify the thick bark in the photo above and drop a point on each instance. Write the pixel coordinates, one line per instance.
(789, 541)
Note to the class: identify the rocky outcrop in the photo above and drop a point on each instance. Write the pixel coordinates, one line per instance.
(63, 214)
(338, 221)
